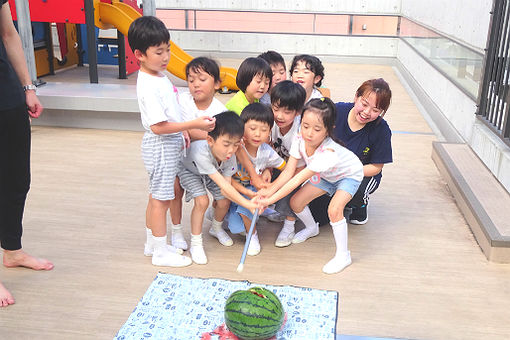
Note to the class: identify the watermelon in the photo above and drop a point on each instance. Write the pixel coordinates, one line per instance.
(254, 314)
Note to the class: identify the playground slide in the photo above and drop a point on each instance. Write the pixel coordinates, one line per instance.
(120, 16)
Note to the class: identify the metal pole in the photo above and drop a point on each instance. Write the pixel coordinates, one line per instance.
(25, 33)
(149, 7)
(91, 41)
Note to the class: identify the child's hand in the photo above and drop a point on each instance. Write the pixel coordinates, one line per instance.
(187, 139)
(258, 182)
(205, 123)
(255, 204)
(263, 193)
(251, 193)
(266, 175)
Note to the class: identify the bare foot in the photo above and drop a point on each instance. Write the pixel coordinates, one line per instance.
(18, 258)
(6, 298)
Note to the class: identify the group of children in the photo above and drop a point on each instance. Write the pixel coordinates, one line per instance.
(272, 143)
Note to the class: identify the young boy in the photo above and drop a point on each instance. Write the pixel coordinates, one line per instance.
(163, 142)
(307, 70)
(258, 121)
(210, 164)
(203, 77)
(287, 100)
(275, 60)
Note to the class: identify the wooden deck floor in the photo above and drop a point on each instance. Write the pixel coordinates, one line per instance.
(417, 271)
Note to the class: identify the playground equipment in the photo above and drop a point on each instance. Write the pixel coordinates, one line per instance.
(106, 14)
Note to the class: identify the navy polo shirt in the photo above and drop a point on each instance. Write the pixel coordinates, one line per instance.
(372, 144)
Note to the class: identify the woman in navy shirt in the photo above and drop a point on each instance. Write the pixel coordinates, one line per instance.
(360, 125)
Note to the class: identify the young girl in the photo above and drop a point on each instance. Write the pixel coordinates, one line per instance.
(307, 70)
(203, 76)
(253, 79)
(330, 168)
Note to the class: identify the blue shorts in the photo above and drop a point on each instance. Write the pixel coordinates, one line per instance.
(348, 185)
(235, 221)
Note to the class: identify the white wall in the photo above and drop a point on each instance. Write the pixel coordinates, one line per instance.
(347, 6)
(466, 20)
(254, 43)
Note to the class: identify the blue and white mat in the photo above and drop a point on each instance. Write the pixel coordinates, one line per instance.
(180, 308)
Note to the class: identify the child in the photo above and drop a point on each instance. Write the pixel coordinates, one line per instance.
(203, 76)
(275, 60)
(330, 168)
(162, 143)
(258, 121)
(210, 164)
(287, 102)
(308, 71)
(365, 132)
(253, 79)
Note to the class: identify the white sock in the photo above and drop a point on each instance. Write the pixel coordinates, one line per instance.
(306, 217)
(178, 240)
(342, 256)
(341, 236)
(149, 235)
(197, 250)
(159, 243)
(288, 225)
(217, 225)
(311, 227)
(196, 240)
(254, 246)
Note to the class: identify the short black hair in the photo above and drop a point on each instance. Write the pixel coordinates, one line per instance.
(312, 63)
(273, 58)
(251, 67)
(147, 31)
(289, 95)
(227, 123)
(258, 112)
(206, 65)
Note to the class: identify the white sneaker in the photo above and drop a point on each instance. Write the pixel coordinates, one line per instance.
(222, 236)
(254, 246)
(178, 240)
(305, 234)
(284, 238)
(337, 264)
(149, 249)
(198, 254)
(170, 259)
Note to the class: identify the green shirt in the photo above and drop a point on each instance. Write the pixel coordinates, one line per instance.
(238, 102)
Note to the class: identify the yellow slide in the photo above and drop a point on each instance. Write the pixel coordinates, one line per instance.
(120, 16)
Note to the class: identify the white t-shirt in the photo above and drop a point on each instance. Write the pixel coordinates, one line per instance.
(201, 161)
(190, 110)
(157, 99)
(266, 158)
(282, 143)
(330, 160)
(315, 94)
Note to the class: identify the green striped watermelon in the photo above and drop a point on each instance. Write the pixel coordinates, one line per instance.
(254, 314)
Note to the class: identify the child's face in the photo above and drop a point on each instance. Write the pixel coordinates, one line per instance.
(224, 146)
(279, 74)
(313, 130)
(304, 76)
(201, 85)
(155, 59)
(365, 110)
(257, 88)
(283, 117)
(256, 132)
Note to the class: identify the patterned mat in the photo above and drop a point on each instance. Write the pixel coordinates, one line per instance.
(176, 307)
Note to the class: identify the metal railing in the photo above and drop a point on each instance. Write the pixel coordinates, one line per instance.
(494, 96)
